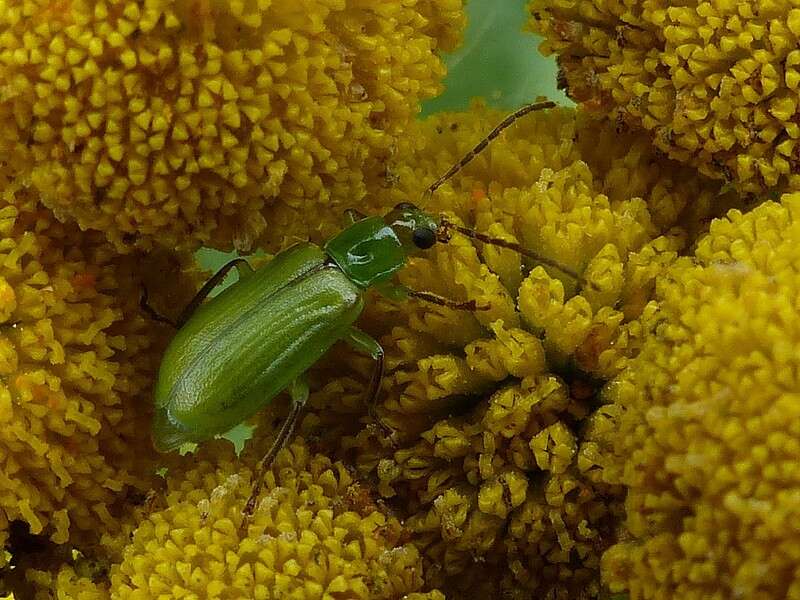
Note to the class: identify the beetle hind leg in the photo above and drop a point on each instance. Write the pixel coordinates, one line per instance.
(242, 267)
(299, 393)
(144, 304)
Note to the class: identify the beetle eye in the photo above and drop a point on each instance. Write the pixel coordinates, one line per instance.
(405, 206)
(424, 237)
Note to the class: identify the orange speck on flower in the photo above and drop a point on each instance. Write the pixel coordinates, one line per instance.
(40, 392)
(592, 105)
(55, 9)
(84, 280)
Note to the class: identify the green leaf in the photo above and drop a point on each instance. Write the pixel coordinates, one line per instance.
(498, 61)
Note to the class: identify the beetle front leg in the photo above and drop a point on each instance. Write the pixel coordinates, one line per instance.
(299, 394)
(397, 291)
(352, 215)
(360, 341)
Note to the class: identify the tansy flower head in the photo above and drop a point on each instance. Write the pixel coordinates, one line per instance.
(173, 122)
(316, 533)
(489, 407)
(714, 83)
(77, 358)
(705, 421)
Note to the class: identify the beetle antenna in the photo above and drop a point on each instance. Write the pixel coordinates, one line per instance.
(469, 156)
(444, 236)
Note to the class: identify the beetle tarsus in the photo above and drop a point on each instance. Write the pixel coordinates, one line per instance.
(384, 433)
(387, 432)
(151, 312)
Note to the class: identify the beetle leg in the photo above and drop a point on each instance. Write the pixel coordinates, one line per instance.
(395, 291)
(353, 216)
(151, 312)
(241, 265)
(469, 305)
(362, 342)
(298, 390)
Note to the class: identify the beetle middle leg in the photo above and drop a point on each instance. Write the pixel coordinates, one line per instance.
(299, 393)
(362, 342)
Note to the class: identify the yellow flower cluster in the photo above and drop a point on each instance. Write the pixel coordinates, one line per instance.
(613, 413)
(316, 533)
(65, 584)
(715, 83)
(77, 358)
(173, 122)
(489, 407)
(705, 422)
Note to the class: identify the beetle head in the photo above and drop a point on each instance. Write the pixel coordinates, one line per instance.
(416, 229)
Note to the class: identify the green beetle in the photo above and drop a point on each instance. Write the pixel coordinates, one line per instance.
(233, 354)
(259, 336)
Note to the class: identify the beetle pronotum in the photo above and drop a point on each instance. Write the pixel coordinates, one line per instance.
(233, 354)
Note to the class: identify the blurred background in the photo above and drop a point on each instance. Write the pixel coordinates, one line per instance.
(498, 61)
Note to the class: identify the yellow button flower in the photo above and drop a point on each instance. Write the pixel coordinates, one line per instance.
(490, 407)
(703, 427)
(316, 533)
(174, 122)
(714, 83)
(77, 358)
